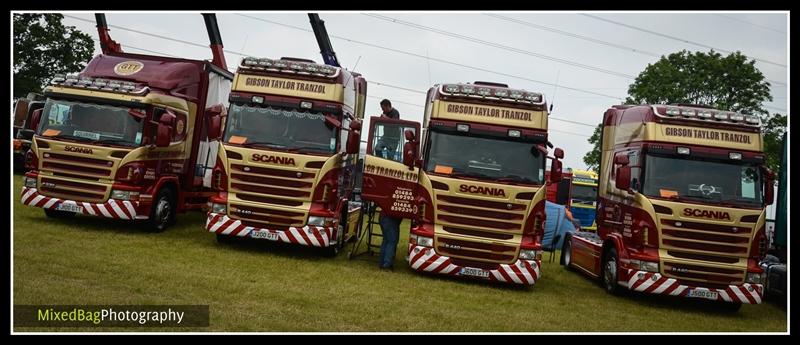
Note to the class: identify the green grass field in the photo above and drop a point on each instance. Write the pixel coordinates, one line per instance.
(260, 286)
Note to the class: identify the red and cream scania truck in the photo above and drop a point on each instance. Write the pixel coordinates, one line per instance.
(476, 197)
(127, 137)
(286, 163)
(681, 205)
(289, 146)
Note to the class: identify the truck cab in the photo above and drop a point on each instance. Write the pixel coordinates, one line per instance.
(471, 180)
(681, 205)
(127, 138)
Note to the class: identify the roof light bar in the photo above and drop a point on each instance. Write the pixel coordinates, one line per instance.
(288, 67)
(503, 94)
(119, 86)
(705, 114)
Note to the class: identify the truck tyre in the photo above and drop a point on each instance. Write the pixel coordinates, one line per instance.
(162, 213)
(333, 250)
(56, 214)
(566, 253)
(225, 238)
(728, 307)
(609, 274)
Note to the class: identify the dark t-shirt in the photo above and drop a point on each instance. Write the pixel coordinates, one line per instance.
(394, 114)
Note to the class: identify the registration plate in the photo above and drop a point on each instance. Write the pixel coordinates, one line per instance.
(69, 208)
(272, 236)
(474, 272)
(702, 293)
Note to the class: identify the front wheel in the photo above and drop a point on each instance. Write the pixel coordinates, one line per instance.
(333, 251)
(566, 253)
(224, 239)
(610, 272)
(162, 213)
(728, 307)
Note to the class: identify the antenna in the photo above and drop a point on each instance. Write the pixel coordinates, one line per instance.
(353, 70)
(555, 88)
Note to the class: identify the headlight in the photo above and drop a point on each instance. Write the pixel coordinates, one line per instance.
(217, 208)
(530, 254)
(424, 241)
(755, 278)
(30, 182)
(648, 266)
(320, 221)
(124, 195)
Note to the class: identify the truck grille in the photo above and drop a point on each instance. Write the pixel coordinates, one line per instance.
(277, 194)
(75, 178)
(478, 230)
(707, 246)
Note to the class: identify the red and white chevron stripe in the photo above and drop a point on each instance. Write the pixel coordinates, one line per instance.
(655, 283)
(309, 235)
(117, 209)
(425, 259)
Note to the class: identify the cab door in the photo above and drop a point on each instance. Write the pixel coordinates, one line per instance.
(387, 180)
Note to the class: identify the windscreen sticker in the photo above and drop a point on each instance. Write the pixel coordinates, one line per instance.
(333, 143)
(88, 135)
(138, 138)
(441, 169)
(666, 193)
(51, 132)
(235, 139)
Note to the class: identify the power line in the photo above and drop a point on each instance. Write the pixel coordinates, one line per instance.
(438, 60)
(565, 132)
(396, 101)
(372, 81)
(751, 23)
(542, 27)
(500, 46)
(155, 35)
(561, 32)
(396, 87)
(573, 122)
(673, 37)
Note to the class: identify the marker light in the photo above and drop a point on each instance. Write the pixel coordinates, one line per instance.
(673, 111)
(735, 155)
(683, 150)
(514, 133)
(305, 105)
(462, 127)
(258, 99)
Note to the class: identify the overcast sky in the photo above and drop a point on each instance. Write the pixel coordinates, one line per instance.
(592, 57)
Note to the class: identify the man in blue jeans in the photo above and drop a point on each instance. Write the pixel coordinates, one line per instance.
(390, 227)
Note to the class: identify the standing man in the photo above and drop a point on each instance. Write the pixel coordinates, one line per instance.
(390, 226)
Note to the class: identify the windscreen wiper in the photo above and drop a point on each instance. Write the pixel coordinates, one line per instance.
(122, 142)
(515, 178)
(264, 143)
(314, 148)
